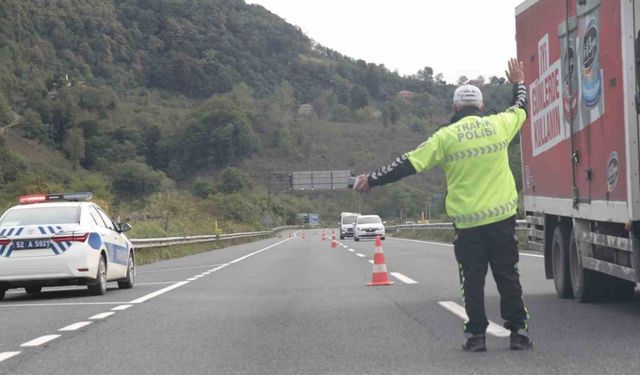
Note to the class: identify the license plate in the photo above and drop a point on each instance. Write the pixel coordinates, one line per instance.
(30, 244)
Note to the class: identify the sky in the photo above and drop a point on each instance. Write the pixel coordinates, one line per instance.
(454, 37)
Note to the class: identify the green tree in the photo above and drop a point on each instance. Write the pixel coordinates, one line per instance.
(201, 188)
(359, 97)
(233, 180)
(74, 146)
(6, 116)
(132, 179)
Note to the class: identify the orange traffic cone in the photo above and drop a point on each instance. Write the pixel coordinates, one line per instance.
(334, 243)
(380, 276)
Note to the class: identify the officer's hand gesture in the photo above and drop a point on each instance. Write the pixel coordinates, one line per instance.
(515, 74)
(362, 183)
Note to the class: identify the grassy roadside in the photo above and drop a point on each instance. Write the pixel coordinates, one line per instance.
(446, 236)
(156, 254)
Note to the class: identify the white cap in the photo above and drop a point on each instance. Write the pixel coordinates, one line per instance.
(468, 96)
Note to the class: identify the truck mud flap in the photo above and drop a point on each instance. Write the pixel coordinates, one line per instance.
(620, 272)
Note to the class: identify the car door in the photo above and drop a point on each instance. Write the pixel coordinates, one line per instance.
(117, 248)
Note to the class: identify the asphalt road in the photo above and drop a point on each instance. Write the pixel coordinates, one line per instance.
(297, 306)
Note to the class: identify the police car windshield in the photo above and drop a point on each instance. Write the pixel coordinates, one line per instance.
(369, 220)
(40, 216)
(349, 219)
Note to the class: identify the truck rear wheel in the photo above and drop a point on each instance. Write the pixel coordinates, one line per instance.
(560, 261)
(584, 283)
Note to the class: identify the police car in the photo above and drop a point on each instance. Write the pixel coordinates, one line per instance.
(63, 239)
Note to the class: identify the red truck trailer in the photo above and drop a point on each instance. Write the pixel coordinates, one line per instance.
(580, 150)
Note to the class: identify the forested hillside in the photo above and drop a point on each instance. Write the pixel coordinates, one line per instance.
(133, 98)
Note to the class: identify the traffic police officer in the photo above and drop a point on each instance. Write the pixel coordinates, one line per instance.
(481, 200)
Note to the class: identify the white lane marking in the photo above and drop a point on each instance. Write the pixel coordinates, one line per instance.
(254, 253)
(40, 340)
(157, 283)
(345, 246)
(198, 276)
(353, 251)
(175, 269)
(532, 255)
(493, 329)
(403, 278)
(192, 279)
(181, 283)
(6, 355)
(450, 245)
(159, 292)
(370, 261)
(121, 307)
(360, 255)
(59, 304)
(102, 315)
(75, 326)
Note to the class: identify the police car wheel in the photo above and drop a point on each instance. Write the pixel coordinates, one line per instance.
(356, 238)
(33, 289)
(127, 283)
(2, 291)
(100, 286)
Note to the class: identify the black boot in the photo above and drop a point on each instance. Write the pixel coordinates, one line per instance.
(475, 343)
(520, 341)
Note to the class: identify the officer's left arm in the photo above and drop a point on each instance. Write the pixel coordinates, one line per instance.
(512, 119)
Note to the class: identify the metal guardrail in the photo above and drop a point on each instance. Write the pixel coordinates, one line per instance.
(141, 243)
(520, 225)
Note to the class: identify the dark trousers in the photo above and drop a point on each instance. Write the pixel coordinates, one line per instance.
(477, 248)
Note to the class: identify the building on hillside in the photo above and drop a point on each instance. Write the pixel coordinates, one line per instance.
(306, 110)
(406, 95)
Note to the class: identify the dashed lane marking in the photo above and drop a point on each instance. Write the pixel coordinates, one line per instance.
(102, 315)
(40, 340)
(121, 307)
(6, 355)
(493, 328)
(353, 251)
(403, 278)
(360, 255)
(370, 261)
(75, 326)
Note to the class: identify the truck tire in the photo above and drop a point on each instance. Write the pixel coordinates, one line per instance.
(560, 261)
(585, 284)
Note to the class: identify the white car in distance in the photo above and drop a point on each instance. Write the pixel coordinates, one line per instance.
(63, 239)
(368, 226)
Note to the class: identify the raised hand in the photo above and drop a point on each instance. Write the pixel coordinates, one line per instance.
(515, 74)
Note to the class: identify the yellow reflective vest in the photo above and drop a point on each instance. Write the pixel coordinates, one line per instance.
(473, 153)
